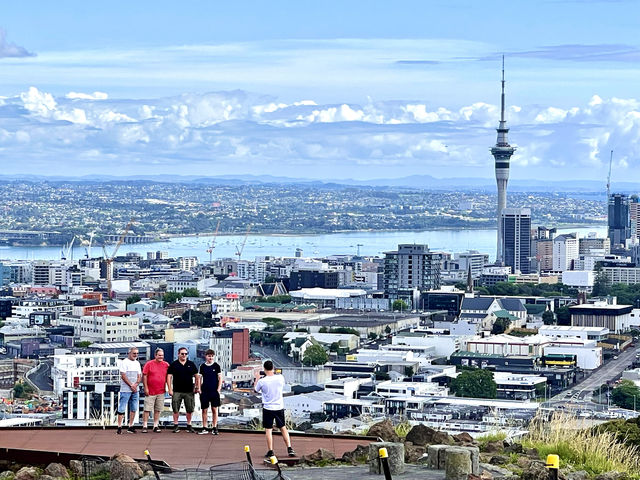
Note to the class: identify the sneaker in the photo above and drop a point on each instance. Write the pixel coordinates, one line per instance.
(214, 431)
(176, 429)
(269, 454)
(190, 429)
(291, 452)
(144, 430)
(131, 430)
(119, 431)
(204, 431)
(156, 430)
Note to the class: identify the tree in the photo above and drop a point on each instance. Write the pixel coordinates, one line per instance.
(190, 292)
(82, 343)
(171, 297)
(548, 318)
(563, 316)
(323, 330)
(601, 284)
(626, 395)
(135, 298)
(22, 390)
(372, 335)
(399, 305)
(315, 355)
(408, 371)
(475, 383)
(387, 329)
(500, 326)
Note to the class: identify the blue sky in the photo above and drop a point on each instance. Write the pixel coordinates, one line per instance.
(358, 89)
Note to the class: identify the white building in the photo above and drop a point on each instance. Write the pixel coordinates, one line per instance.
(565, 251)
(347, 386)
(390, 389)
(179, 283)
(582, 279)
(104, 326)
(441, 345)
(70, 371)
(187, 263)
(301, 406)
(563, 331)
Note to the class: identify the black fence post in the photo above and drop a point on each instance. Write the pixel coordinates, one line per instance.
(247, 452)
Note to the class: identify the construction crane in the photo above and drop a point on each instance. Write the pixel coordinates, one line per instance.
(109, 258)
(87, 251)
(240, 249)
(609, 176)
(213, 243)
(67, 253)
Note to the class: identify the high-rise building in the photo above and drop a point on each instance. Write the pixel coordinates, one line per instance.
(619, 219)
(411, 267)
(502, 153)
(515, 226)
(565, 251)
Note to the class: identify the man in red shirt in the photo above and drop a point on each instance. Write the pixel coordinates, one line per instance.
(154, 378)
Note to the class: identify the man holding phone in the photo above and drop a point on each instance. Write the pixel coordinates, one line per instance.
(271, 386)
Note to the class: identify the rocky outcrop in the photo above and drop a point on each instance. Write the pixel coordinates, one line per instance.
(385, 431)
(123, 467)
(27, 473)
(319, 455)
(56, 470)
(359, 455)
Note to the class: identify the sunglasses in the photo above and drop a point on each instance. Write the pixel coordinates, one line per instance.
(183, 353)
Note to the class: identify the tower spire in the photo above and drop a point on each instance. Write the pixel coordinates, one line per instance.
(502, 153)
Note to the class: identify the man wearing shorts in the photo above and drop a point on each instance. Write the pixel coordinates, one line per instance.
(154, 378)
(271, 386)
(130, 376)
(210, 385)
(180, 380)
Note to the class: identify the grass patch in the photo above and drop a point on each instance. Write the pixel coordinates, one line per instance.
(402, 429)
(581, 448)
(491, 437)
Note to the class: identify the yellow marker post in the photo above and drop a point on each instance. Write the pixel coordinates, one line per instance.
(553, 464)
(247, 452)
(153, 467)
(383, 457)
(273, 460)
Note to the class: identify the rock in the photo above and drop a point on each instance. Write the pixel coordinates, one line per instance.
(475, 458)
(463, 437)
(322, 431)
(385, 431)
(46, 477)
(579, 475)
(123, 467)
(421, 435)
(514, 448)
(304, 426)
(319, 455)
(413, 453)
(611, 476)
(499, 460)
(359, 455)
(486, 475)
(436, 454)
(457, 463)
(536, 471)
(27, 473)
(497, 472)
(493, 447)
(524, 462)
(76, 467)
(532, 452)
(7, 475)
(395, 451)
(56, 470)
(443, 438)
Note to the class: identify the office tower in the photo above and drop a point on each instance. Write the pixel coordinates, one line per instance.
(566, 250)
(411, 267)
(634, 213)
(619, 219)
(502, 153)
(515, 224)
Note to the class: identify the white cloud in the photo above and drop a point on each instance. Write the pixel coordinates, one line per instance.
(223, 131)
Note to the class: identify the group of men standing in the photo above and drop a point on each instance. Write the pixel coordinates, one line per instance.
(181, 380)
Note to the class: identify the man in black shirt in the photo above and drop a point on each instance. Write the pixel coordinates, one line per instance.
(180, 379)
(210, 385)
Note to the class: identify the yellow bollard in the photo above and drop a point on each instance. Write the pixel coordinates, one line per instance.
(553, 464)
(383, 457)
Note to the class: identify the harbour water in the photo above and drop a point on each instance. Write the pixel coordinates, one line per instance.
(368, 243)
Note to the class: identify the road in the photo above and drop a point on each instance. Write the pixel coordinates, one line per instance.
(277, 356)
(580, 396)
(42, 376)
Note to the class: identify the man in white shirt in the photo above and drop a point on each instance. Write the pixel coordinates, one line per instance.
(271, 385)
(130, 377)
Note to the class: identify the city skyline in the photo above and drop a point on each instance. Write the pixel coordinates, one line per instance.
(360, 91)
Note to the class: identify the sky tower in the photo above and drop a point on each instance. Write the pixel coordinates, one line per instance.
(502, 152)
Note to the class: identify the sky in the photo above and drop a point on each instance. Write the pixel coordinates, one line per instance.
(358, 89)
